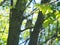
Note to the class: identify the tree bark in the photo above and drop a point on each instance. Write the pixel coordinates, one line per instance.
(35, 33)
(16, 18)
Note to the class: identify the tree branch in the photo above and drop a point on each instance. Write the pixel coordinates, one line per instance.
(32, 12)
(25, 41)
(52, 2)
(29, 3)
(27, 28)
(54, 36)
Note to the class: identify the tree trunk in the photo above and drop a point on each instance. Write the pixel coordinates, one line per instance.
(35, 33)
(16, 18)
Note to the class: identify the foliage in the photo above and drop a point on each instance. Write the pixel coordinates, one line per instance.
(4, 23)
(51, 24)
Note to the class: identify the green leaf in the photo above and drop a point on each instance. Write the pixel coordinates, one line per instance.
(1, 1)
(26, 34)
(46, 23)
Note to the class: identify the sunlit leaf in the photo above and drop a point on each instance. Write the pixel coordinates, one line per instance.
(1, 1)
(4, 36)
(26, 34)
(58, 34)
(56, 39)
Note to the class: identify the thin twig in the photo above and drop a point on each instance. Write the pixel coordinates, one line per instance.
(29, 3)
(25, 41)
(31, 13)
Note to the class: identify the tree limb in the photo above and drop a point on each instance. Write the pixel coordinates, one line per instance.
(27, 28)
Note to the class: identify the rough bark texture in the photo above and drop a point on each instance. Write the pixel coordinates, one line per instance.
(35, 33)
(16, 19)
